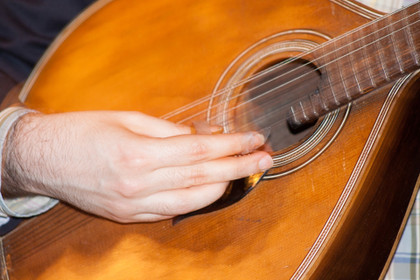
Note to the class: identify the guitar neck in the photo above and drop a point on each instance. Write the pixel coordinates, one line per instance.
(363, 60)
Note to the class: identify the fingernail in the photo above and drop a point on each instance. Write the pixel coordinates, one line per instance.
(262, 136)
(265, 132)
(254, 141)
(216, 129)
(201, 127)
(259, 140)
(265, 163)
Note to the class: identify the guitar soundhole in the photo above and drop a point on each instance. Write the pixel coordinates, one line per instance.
(275, 82)
(264, 102)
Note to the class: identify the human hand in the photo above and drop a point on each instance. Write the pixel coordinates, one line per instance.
(126, 166)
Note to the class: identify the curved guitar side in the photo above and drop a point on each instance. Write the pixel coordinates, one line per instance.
(155, 56)
(373, 220)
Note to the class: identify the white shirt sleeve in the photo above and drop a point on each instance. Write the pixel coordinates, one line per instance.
(21, 206)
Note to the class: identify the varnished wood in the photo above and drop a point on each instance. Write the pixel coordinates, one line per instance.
(387, 186)
(156, 56)
(369, 57)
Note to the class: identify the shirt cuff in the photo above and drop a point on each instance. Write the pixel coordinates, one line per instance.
(27, 206)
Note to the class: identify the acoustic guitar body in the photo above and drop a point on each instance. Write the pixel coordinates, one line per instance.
(335, 211)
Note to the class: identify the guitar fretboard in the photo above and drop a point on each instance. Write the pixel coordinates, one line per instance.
(361, 61)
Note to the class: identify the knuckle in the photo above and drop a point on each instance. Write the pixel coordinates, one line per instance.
(121, 211)
(125, 155)
(199, 150)
(245, 146)
(187, 176)
(127, 188)
(197, 175)
(173, 178)
(243, 167)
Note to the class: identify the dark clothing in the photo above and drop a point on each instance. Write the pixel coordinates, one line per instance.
(27, 27)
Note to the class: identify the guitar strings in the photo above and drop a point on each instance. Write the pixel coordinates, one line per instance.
(284, 105)
(233, 108)
(295, 79)
(276, 67)
(269, 70)
(239, 83)
(287, 104)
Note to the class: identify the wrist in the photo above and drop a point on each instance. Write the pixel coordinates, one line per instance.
(17, 201)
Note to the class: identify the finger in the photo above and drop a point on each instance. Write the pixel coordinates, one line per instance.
(182, 201)
(215, 171)
(202, 127)
(143, 124)
(127, 211)
(189, 149)
(146, 218)
(140, 218)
